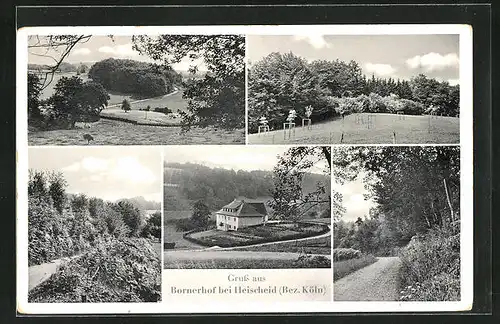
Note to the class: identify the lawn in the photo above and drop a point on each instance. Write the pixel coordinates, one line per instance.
(322, 245)
(257, 234)
(245, 264)
(343, 268)
(112, 132)
(170, 234)
(357, 130)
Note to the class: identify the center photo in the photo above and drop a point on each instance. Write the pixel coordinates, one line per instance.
(247, 207)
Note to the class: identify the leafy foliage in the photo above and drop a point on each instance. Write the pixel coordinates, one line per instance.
(289, 200)
(281, 82)
(128, 270)
(134, 77)
(219, 97)
(200, 215)
(74, 100)
(340, 254)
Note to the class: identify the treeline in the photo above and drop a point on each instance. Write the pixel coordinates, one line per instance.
(62, 224)
(133, 77)
(417, 196)
(216, 186)
(280, 82)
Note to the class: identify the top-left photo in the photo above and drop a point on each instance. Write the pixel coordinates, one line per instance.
(136, 90)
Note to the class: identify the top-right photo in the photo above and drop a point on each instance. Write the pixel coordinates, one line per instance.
(353, 89)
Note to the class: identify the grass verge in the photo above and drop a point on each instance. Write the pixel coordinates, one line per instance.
(302, 262)
(343, 268)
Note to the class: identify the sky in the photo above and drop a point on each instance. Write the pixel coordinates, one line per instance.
(109, 173)
(353, 199)
(396, 56)
(98, 48)
(233, 157)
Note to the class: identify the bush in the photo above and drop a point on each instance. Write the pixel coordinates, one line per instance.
(430, 268)
(165, 110)
(114, 271)
(411, 107)
(340, 254)
(309, 261)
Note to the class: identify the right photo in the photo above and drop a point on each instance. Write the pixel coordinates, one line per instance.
(396, 223)
(353, 89)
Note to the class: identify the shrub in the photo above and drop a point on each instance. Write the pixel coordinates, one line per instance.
(165, 110)
(340, 254)
(430, 268)
(309, 261)
(113, 271)
(411, 107)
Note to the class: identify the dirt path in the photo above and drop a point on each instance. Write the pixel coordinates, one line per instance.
(376, 282)
(40, 273)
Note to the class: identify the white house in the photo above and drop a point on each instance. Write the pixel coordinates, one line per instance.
(241, 212)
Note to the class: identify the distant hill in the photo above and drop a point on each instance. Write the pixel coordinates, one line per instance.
(143, 204)
(186, 183)
(63, 67)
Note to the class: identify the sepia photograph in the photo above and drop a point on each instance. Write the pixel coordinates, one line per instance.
(396, 223)
(353, 89)
(136, 90)
(94, 225)
(247, 207)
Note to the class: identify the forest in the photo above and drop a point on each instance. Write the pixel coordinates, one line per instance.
(110, 245)
(141, 79)
(281, 82)
(416, 215)
(216, 186)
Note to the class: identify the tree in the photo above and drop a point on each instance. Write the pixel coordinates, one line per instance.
(131, 216)
(153, 226)
(289, 200)
(125, 105)
(200, 215)
(34, 90)
(57, 190)
(217, 99)
(428, 199)
(74, 100)
(55, 48)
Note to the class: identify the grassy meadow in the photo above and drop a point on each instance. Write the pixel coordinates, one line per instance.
(409, 129)
(322, 245)
(112, 132)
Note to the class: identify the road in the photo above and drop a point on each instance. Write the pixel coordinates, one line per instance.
(376, 282)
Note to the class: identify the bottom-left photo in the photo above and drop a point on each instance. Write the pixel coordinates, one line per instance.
(94, 224)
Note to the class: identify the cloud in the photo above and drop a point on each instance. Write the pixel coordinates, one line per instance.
(93, 164)
(433, 61)
(119, 50)
(380, 69)
(316, 41)
(82, 51)
(130, 169)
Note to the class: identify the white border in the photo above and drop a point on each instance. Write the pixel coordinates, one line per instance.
(466, 145)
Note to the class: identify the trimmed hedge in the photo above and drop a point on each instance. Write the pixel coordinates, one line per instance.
(256, 241)
(341, 254)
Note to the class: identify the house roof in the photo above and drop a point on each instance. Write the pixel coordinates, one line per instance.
(245, 207)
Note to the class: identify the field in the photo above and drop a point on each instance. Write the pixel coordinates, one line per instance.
(142, 117)
(178, 214)
(112, 132)
(343, 268)
(173, 101)
(257, 234)
(358, 130)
